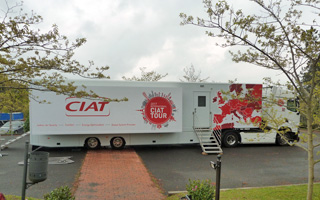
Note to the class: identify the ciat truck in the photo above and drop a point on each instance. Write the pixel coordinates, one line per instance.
(154, 113)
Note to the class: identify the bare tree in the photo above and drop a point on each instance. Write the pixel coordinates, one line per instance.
(146, 76)
(190, 75)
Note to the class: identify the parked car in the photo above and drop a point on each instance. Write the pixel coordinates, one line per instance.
(17, 127)
(2, 122)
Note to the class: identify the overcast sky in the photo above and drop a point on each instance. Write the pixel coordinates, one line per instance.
(129, 34)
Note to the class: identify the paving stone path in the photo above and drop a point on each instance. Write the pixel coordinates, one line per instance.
(110, 174)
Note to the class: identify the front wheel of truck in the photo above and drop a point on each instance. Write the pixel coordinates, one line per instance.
(230, 139)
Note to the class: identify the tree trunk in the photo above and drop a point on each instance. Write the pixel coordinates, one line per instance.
(310, 156)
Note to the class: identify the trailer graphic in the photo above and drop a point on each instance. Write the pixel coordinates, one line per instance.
(245, 109)
(211, 114)
(158, 109)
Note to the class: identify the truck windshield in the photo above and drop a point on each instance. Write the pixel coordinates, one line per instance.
(292, 105)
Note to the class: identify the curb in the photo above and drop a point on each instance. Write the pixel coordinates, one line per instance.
(5, 145)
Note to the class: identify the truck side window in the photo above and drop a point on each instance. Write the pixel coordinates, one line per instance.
(291, 105)
(201, 101)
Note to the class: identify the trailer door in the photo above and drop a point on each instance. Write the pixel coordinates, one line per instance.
(202, 115)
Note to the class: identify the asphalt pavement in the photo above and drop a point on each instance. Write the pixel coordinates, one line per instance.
(244, 166)
(173, 166)
(11, 173)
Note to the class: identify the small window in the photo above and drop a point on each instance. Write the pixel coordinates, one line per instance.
(201, 101)
(291, 105)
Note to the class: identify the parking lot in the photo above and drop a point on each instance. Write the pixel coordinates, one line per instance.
(244, 166)
(11, 173)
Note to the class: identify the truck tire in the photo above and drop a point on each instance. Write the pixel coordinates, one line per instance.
(280, 141)
(117, 143)
(285, 133)
(92, 143)
(34, 147)
(230, 139)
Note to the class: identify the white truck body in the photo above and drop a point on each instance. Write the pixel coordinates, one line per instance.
(155, 113)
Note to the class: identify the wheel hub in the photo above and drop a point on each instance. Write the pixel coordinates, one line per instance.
(231, 139)
(117, 142)
(92, 142)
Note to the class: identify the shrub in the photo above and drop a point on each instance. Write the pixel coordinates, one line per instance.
(200, 190)
(61, 193)
(26, 126)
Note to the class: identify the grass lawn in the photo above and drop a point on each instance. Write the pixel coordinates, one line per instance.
(12, 197)
(295, 192)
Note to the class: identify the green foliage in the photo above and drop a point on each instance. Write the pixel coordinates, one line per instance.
(61, 193)
(12, 197)
(34, 59)
(26, 125)
(200, 190)
(296, 192)
(12, 99)
(273, 38)
(146, 76)
(279, 35)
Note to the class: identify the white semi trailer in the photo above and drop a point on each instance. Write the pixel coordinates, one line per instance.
(212, 114)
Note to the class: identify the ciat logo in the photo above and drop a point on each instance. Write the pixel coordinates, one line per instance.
(76, 107)
(158, 109)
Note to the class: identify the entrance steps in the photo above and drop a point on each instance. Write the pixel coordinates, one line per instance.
(209, 141)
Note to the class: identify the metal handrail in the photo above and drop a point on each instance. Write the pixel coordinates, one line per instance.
(217, 133)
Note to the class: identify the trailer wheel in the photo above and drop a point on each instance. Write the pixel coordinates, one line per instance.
(92, 143)
(230, 139)
(117, 143)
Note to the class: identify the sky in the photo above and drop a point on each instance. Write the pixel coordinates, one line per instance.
(128, 35)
